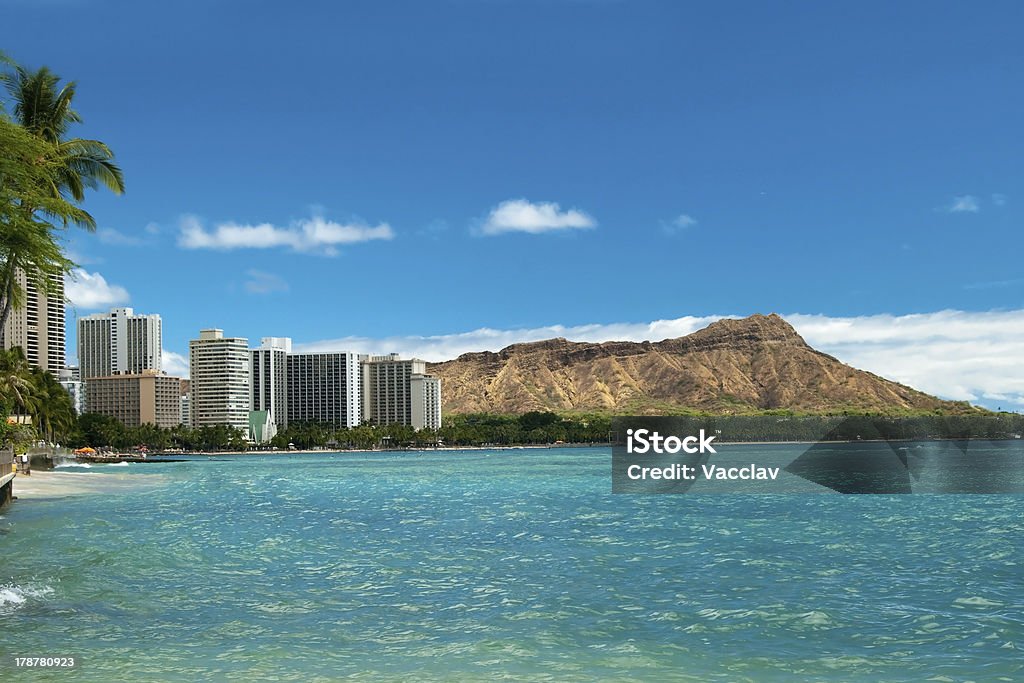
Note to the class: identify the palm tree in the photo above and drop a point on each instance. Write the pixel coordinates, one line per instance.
(30, 391)
(26, 239)
(43, 108)
(16, 386)
(53, 414)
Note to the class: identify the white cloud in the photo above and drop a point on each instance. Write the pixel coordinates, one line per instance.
(520, 215)
(306, 235)
(115, 238)
(678, 224)
(444, 347)
(684, 221)
(435, 229)
(995, 284)
(175, 364)
(80, 259)
(967, 203)
(260, 282)
(953, 354)
(91, 291)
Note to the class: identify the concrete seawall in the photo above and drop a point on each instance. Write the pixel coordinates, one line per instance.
(6, 476)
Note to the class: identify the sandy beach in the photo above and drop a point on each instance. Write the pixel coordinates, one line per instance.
(60, 483)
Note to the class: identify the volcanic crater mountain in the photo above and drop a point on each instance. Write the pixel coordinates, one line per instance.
(732, 366)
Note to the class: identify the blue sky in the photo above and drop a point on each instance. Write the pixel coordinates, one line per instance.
(322, 170)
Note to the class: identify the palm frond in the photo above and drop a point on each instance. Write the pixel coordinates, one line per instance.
(92, 164)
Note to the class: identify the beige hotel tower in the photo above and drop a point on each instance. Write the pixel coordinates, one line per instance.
(219, 372)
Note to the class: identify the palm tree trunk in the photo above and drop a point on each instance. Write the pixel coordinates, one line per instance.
(8, 297)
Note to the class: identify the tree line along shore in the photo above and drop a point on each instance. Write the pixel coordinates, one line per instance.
(536, 428)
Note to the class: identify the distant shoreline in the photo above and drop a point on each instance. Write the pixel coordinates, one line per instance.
(389, 450)
(552, 446)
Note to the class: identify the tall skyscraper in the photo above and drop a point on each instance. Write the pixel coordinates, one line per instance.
(119, 342)
(219, 369)
(324, 387)
(269, 380)
(425, 397)
(397, 391)
(38, 325)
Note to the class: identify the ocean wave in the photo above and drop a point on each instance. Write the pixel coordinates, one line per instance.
(119, 464)
(13, 596)
(72, 464)
(976, 601)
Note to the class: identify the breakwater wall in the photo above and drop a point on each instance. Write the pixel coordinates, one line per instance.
(6, 476)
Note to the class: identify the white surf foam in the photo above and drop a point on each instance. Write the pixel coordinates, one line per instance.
(13, 596)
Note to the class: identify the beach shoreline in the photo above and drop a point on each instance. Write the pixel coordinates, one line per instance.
(49, 484)
(554, 446)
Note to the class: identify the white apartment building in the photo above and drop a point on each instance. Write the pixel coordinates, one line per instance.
(69, 379)
(324, 387)
(119, 342)
(268, 378)
(219, 388)
(397, 391)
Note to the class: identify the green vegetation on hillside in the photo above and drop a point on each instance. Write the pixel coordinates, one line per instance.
(652, 407)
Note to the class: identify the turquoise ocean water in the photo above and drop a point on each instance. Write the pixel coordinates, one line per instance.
(502, 565)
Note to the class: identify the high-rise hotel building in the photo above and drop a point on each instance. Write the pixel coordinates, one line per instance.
(324, 387)
(397, 391)
(37, 326)
(425, 397)
(136, 398)
(119, 342)
(264, 389)
(120, 359)
(219, 369)
(268, 377)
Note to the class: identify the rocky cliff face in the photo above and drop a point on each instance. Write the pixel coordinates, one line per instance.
(757, 363)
